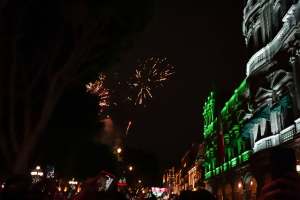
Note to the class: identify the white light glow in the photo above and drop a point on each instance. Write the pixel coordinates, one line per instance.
(38, 167)
(40, 173)
(119, 150)
(251, 183)
(298, 168)
(240, 185)
(33, 173)
(72, 182)
(130, 168)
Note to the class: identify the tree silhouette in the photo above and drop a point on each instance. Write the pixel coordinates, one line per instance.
(45, 47)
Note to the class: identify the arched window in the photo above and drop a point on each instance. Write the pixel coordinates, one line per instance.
(251, 50)
(259, 39)
(277, 78)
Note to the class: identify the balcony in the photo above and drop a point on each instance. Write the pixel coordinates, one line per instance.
(218, 170)
(208, 175)
(246, 155)
(287, 134)
(233, 162)
(297, 122)
(225, 166)
(274, 140)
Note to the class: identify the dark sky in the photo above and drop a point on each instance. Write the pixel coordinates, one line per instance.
(203, 41)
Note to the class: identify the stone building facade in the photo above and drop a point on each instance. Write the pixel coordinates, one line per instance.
(264, 110)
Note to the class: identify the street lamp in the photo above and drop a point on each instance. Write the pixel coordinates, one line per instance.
(119, 150)
(130, 168)
(36, 173)
(73, 184)
(140, 181)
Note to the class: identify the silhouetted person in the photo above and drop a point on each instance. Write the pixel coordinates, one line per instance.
(186, 195)
(203, 195)
(287, 187)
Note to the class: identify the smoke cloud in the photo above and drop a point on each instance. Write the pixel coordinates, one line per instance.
(110, 135)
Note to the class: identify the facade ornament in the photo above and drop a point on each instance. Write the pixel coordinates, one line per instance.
(294, 61)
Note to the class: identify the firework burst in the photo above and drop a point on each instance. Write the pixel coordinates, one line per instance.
(97, 89)
(129, 123)
(150, 75)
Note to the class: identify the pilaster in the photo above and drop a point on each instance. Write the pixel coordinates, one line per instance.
(294, 61)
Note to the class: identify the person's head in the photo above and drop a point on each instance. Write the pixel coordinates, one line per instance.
(110, 195)
(203, 195)
(186, 195)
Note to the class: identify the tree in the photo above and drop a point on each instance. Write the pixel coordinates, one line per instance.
(47, 45)
(69, 138)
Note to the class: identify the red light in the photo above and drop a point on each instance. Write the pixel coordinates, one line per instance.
(129, 122)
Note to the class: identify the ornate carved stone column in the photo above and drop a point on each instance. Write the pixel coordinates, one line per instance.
(294, 61)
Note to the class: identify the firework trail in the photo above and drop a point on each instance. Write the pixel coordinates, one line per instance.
(127, 128)
(97, 89)
(149, 75)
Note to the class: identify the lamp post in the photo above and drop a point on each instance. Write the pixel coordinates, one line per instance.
(36, 173)
(73, 184)
(119, 150)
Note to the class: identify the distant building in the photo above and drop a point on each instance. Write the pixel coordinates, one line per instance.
(169, 180)
(189, 177)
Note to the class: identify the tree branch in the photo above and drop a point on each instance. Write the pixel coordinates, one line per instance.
(52, 56)
(27, 113)
(75, 34)
(79, 75)
(12, 99)
(3, 141)
(71, 58)
(31, 139)
(3, 4)
(4, 149)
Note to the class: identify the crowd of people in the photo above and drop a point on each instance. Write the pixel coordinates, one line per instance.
(20, 187)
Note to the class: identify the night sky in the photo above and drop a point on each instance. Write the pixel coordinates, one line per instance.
(203, 41)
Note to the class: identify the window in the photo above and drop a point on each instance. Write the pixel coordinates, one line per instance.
(259, 39)
(251, 50)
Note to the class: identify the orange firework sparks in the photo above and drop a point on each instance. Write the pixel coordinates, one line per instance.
(128, 128)
(150, 74)
(97, 89)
